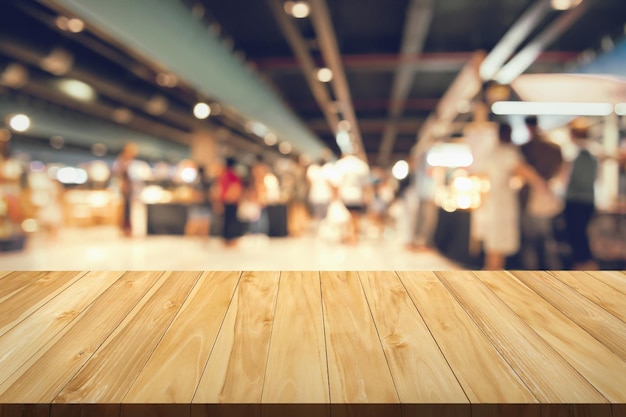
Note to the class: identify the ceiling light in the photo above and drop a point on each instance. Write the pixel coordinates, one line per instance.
(270, 139)
(57, 142)
(344, 125)
(166, 80)
(75, 25)
(324, 75)
(620, 109)
(548, 108)
(400, 170)
(5, 135)
(564, 4)
(99, 149)
(201, 110)
(57, 62)
(77, 89)
(122, 115)
(157, 105)
(19, 122)
(284, 148)
(14, 75)
(62, 22)
(297, 9)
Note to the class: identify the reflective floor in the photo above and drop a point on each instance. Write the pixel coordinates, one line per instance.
(102, 248)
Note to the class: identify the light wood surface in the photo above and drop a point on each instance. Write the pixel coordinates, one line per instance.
(451, 344)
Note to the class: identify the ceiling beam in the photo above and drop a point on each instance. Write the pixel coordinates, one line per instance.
(377, 125)
(524, 58)
(330, 51)
(416, 26)
(425, 62)
(307, 63)
(513, 38)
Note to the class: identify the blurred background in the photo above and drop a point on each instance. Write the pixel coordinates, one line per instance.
(312, 100)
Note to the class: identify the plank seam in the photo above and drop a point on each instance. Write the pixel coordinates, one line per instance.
(104, 339)
(593, 274)
(443, 282)
(619, 354)
(367, 301)
(219, 330)
(87, 307)
(319, 276)
(167, 328)
(432, 336)
(269, 344)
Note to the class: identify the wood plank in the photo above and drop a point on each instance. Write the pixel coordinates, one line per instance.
(597, 291)
(41, 378)
(605, 370)
(543, 370)
(30, 297)
(618, 410)
(296, 365)
(602, 325)
(236, 367)
(108, 375)
(474, 360)
(576, 410)
(4, 273)
(21, 342)
(154, 410)
(615, 279)
(16, 281)
(358, 370)
(173, 371)
(419, 369)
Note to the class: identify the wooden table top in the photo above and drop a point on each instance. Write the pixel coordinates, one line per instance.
(313, 343)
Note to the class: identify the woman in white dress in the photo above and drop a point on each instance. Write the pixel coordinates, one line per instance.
(502, 235)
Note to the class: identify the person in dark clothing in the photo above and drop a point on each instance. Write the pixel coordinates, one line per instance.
(580, 200)
(546, 160)
(121, 169)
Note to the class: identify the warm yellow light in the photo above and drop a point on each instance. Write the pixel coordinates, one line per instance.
(324, 75)
(75, 25)
(344, 125)
(284, 148)
(298, 9)
(77, 89)
(19, 122)
(565, 4)
(270, 139)
(201, 110)
(166, 80)
(30, 225)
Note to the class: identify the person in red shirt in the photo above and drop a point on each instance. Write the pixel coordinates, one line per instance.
(229, 190)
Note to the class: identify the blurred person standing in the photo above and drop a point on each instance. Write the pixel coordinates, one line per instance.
(320, 191)
(580, 197)
(546, 159)
(121, 171)
(423, 211)
(257, 194)
(354, 190)
(199, 217)
(502, 233)
(229, 190)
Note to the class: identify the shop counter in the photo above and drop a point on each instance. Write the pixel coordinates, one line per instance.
(229, 343)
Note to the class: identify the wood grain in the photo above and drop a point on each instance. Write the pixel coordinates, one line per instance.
(108, 375)
(155, 410)
(602, 325)
(173, 371)
(236, 367)
(419, 369)
(296, 365)
(24, 410)
(615, 279)
(85, 410)
(597, 291)
(30, 297)
(543, 370)
(23, 341)
(41, 378)
(358, 371)
(484, 375)
(595, 362)
(15, 281)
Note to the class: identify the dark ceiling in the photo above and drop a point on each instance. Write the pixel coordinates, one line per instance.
(369, 36)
